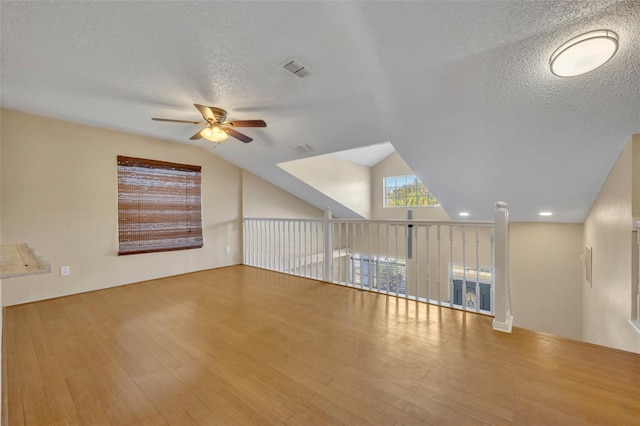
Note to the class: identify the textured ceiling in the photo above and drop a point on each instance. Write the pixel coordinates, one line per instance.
(461, 89)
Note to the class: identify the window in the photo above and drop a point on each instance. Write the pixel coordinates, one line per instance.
(159, 206)
(467, 277)
(470, 299)
(406, 191)
(379, 273)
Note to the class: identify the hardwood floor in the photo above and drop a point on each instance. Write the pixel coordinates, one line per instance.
(240, 345)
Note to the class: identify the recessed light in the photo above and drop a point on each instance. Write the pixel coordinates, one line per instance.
(584, 53)
(463, 214)
(545, 213)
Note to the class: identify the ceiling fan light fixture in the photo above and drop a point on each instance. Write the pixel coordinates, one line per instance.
(214, 133)
(584, 53)
(218, 127)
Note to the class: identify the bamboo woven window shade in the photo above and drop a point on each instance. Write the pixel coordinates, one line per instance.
(159, 206)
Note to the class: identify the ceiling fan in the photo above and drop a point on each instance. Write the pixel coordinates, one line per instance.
(218, 129)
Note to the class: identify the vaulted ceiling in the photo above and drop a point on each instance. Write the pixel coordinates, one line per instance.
(461, 89)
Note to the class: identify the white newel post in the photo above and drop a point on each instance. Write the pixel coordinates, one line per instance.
(503, 319)
(327, 229)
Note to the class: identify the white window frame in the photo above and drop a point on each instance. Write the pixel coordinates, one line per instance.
(408, 178)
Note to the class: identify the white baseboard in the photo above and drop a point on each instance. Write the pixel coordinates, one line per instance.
(505, 327)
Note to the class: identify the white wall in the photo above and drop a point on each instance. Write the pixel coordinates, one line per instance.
(545, 276)
(394, 165)
(608, 230)
(59, 193)
(346, 182)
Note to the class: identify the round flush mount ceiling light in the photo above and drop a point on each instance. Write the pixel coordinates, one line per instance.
(545, 214)
(464, 214)
(584, 53)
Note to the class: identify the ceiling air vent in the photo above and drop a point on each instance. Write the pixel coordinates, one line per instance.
(297, 69)
(303, 149)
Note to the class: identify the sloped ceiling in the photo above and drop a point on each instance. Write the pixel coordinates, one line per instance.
(368, 155)
(461, 89)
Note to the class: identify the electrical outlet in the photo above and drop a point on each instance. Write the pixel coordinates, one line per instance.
(227, 249)
(64, 271)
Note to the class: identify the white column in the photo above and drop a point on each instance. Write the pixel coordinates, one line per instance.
(327, 229)
(503, 320)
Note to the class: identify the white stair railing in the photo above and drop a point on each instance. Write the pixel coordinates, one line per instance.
(461, 265)
(293, 246)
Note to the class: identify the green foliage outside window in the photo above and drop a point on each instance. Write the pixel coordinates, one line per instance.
(406, 191)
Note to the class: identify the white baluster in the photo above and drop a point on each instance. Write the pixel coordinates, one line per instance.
(396, 277)
(416, 261)
(361, 253)
(340, 253)
(428, 293)
(439, 266)
(259, 225)
(450, 279)
(387, 254)
(277, 239)
(349, 268)
(254, 240)
(272, 239)
(463, 295)
(287, 246)
(328, 246)
(376, 261)
(369, 271)
(477, 271)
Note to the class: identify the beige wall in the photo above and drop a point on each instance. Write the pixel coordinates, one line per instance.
(59, 194)
(1, 305)
(272, 244)
(635, 212)
(394, 165)
(263, 199)
(608, 230)
(346, 182)
(546, 277)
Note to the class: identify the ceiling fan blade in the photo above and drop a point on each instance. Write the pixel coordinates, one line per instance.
(196, 136)
(246, 123)
(178, 121)
(206, 112)
(237, 135)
